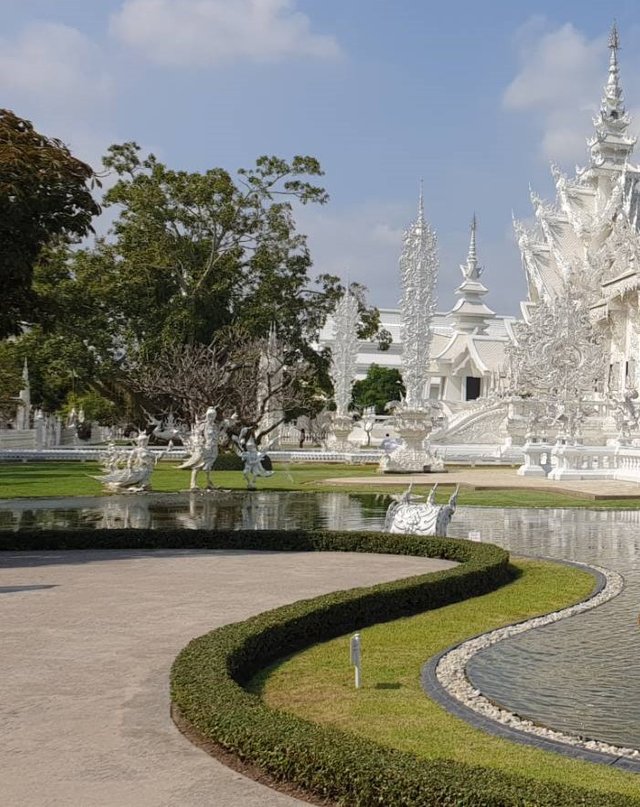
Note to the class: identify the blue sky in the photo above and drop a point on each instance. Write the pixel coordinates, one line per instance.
(475, 98)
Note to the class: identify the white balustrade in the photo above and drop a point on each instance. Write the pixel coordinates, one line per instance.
(581, 462)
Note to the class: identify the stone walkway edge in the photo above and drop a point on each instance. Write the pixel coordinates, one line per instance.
(444, 680)
(497, 479)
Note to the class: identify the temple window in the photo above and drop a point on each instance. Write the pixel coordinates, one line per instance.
(472, 388)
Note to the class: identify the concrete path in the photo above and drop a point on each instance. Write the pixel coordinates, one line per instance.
(87, 641)
(500, 479)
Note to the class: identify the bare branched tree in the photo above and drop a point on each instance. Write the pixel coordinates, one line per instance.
(254, 382)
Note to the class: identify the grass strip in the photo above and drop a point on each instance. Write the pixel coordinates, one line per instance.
(338, 764)
(72, 478)
(391, 708)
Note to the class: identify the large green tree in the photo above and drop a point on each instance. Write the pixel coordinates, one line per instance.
(195, 252)
(10, 382)
(190, 255)
(381, 386)
(45, 195)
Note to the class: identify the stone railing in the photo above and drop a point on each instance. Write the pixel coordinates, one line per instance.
(17, 439)
(566, 461)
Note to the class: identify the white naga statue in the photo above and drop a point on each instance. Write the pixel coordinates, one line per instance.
(203, 444)
(129, 469)
(426, 518)
(252, 458)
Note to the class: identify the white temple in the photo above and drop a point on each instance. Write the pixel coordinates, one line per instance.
(467, 343)
(581, 259)
(589, 235)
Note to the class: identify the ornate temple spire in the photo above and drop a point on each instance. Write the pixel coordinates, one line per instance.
(472, 270)
(23, 415)
(613, 100)
(418, 277)
(470, 313)
(344, 351)
(612, 145)
(25, 375)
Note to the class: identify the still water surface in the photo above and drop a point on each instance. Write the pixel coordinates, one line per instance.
(581, 675)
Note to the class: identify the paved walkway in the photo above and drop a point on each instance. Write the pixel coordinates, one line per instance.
(500, 479)
(87, 642)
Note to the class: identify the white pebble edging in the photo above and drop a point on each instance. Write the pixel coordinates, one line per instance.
(451, 671)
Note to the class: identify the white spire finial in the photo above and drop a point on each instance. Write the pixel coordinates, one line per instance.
(472, 271)
(421, 202)
(470, 313)
(612, 143)
(613, 101)
(473, 256)
(614, 39)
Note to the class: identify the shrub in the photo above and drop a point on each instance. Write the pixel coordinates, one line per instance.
(228, 461)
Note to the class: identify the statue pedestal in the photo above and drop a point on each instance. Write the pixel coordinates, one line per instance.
(534, 450)
(413, 425)
(340, 429)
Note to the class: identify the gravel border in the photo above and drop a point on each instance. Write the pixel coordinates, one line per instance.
(445, 680)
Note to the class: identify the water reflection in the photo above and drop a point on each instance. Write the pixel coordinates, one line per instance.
(214, 510)
(581, 675)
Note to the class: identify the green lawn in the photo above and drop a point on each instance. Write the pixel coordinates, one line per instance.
(76, 478)
(73, 478)
(392, 709)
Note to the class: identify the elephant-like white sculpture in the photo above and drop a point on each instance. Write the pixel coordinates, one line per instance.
(129, 469)
(405, 515)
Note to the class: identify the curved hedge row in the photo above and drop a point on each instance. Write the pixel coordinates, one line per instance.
(207, 676)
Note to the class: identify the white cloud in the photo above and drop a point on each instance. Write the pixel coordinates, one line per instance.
(361, 243)
(206, 32)
(56, 68)
(55, 76)
(560, 82)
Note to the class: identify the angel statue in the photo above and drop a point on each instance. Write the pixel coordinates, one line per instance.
(203, 444)
(129, 469)
(406, 515)
(248, 452)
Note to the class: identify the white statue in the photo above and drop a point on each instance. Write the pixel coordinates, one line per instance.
(129, 469)
(167, 429)
(404, 515)
(626, 412)
(252, 458)
(203, 444)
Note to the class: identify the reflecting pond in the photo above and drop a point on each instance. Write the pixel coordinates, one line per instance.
(581, 675)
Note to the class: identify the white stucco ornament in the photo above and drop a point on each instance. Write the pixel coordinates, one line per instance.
(418, 274)
(128, 470)
(409, 514)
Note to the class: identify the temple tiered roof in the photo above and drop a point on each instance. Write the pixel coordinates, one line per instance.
(587, 235)
(470, 313)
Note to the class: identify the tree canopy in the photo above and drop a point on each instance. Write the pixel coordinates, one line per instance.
(194, 252)
(45, 194)
(190, 257)
(381, 385)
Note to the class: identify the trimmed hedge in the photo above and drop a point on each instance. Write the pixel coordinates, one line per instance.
(228, 461)
(207, 676)
(207, 679)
